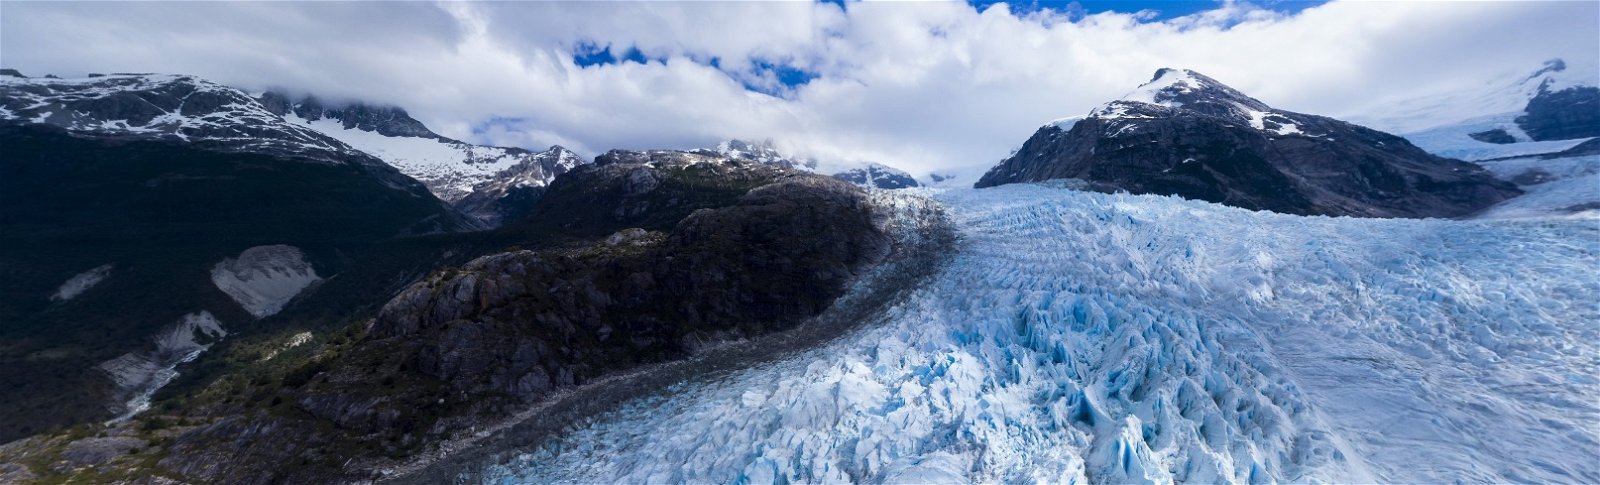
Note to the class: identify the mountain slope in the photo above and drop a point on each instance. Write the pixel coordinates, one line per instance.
(1186, 134)
(1547, 110)
(127, 196)
(453, 170)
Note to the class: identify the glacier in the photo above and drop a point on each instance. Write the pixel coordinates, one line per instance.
(1081, 337)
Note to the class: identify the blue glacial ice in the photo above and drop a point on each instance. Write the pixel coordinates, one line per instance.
(1080, 337)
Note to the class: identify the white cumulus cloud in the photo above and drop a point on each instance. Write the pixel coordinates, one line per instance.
(918, 86)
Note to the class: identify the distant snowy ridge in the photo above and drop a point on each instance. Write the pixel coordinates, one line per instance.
(451, 169)
(1490, 120)
(878, 176)
(1506, 94)
(190, 109)
(165, 107)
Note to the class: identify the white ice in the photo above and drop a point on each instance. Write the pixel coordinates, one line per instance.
(1079, 337)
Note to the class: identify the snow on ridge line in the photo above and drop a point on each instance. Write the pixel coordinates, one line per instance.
(263, 279)
(81, 282)
(1116, 338)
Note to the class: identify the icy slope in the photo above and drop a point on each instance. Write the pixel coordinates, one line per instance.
(452, 170)
(1082, 337)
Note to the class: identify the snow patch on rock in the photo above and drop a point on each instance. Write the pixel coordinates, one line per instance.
(264, 278)
(138, 375)
(81, 282)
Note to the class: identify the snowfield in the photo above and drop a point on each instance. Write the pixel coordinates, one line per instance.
(1080, 337)
(264, 278)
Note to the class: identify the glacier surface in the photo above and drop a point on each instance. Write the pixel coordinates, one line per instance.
(1080, 337)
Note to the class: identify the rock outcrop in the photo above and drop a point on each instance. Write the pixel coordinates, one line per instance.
(1188, 135)
(1564, 114)
(665, 252)
(877, 176)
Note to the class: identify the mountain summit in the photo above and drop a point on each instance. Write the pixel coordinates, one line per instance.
(1186, 134)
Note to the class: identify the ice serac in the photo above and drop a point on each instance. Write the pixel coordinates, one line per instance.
(490, 183)
(1188, 135)
(264, 278)
(138, 375)
(81, 282)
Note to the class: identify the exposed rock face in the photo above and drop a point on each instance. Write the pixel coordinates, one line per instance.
(264, 278)
(1566, 114)
(1497, 136)
(137, 375)
(99, 451)
(81, 282)
(1186, 134)
(878, 176)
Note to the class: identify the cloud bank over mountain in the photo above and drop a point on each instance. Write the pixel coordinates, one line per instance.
(924, 86)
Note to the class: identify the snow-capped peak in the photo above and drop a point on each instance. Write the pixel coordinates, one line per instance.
(450, 168)
(764, 152)
(1174, 90)
(161, 106)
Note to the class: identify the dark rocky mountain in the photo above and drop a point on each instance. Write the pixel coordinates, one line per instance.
(1565, 114)
(878, 176)
(499, 181)
(638, 259)
(142, 208)
(152, 220)
(1188, 135)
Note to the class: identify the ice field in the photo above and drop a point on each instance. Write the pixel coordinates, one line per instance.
(1080, 337)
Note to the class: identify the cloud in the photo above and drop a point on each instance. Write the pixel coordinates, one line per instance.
(919, 86)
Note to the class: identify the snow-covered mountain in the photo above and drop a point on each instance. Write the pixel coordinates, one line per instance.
(1558, 101)
(764, 152)
(453, 170)
(867, 175)
(193, 110)
(164, 107)
(878, 176)
(1186, 134)
(1080, 337)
